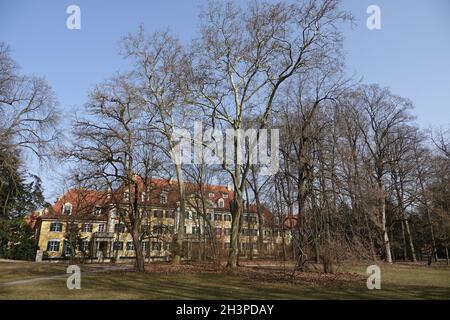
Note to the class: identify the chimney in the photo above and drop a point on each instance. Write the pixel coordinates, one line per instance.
(228, 186)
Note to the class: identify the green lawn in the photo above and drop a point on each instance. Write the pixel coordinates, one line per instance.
(398, 282)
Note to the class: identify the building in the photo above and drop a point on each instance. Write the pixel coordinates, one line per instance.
(93, 225)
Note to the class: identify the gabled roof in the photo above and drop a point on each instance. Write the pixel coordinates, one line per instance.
(155, 187)
(83, 203)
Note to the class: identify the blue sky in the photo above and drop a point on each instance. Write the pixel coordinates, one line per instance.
(410, 54)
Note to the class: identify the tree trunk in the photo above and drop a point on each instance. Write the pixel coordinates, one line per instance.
(386, 242)
(181, 216)
(405, 255)
(260, 215)
(410, 240)
(236, 208)
(135, 226)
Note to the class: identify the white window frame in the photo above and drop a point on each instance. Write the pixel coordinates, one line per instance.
(163, 199)
(50, 243)
(87, 226)
(130, 246)
(85, 245)
(68, 205)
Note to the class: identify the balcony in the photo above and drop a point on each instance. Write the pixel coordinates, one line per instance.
(103, 235)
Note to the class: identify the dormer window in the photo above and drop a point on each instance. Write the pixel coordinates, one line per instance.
(126, 196)
(221, 203)
(97, 211)
(225, 195)
(163, 199)
(165, 189)
(67, 208)
(211, 195)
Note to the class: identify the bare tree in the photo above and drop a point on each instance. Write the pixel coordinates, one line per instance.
(380, 114)
(28, 114)
(159, 61)
(113, 142)
(243, 58)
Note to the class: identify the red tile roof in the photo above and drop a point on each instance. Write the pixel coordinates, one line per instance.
(84, 201)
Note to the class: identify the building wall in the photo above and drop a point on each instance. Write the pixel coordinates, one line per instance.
(45, 235)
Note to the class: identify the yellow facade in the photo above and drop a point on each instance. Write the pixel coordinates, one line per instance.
(103, 241)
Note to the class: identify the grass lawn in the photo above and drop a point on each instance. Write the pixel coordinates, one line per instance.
(397, 282)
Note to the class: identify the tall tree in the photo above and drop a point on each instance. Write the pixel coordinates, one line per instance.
(244, 57)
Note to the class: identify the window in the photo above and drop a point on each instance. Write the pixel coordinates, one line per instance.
(208, 216)
(144, 228)
(188, 215)
(101, 227)
(144, 245)
(196, 230)
(56, 227)
(158, 229)
(158, 213)
(227, 231)
(227, 245)
(211, 195)
(118, 245)
(67, 208)
(126, 196)
(119, 228)
(267, 232)
(225, 195)
(143, 196)
(167, 246)
(84, 246)
(87, 227)
(218, 232)
(217, 217)
(163, 199)
(66, 248)
(156, 246)
(122, 212)
(227, 217)
(130, 246)
(250, 218)
(250, 232)
(165, 189)
(221, 203)
(53, 246)
(170, 214)
(97, 211)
